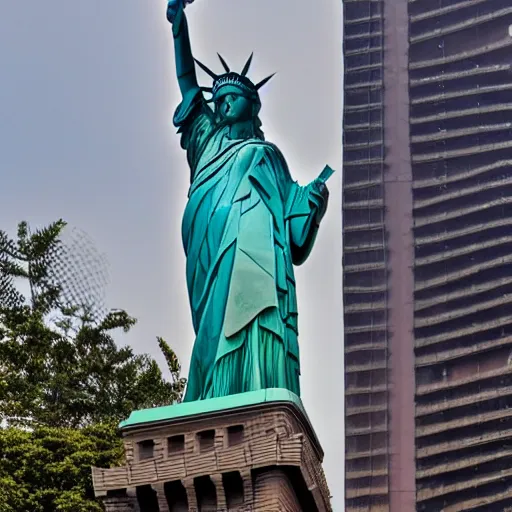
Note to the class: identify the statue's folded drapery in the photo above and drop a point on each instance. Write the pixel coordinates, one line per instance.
(245, 225)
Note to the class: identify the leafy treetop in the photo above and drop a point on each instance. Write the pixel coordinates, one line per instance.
(57, 367)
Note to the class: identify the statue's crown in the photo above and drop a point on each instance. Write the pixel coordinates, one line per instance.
(230, 78)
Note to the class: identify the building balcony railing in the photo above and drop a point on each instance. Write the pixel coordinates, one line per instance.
(473, 483)
(462, 463)
(440, 11)
(465, 442)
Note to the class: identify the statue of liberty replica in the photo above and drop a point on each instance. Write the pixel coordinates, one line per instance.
(245, 225)
(242, 440)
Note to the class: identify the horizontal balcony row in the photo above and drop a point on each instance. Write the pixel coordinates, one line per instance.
(354, 127)
(443, 96)
(362, 290)
(363, 107)
(466, 421)
(381, 490)
(353, 475)
(483, 439)
(460, 423)
(362, 185)
(480, 502)
(465, 332)
(463, 175)
(435, 218)
(368, 454)
(472, 21)
(352, 391)
(465, 250)
(365, 306)
(363, 205)
(363, 50)
(445, 235)
(457, 275)
(453, 403)
(426, 389)
(438, 10)
(476, 149)
(364, 267)
(462, 463)
(442, 78)
(375, 507)
(368, 226)
(444, 356)
(362, 19)
(506, 42)
(471, 483)
(465, 112)
(461, 293)
(363, 35)
(456, 313)
(368, 367)
(368, 143)
(365, 431)
(462, 192)
(461, 133)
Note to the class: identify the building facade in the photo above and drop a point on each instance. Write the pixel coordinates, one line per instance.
(427, 221)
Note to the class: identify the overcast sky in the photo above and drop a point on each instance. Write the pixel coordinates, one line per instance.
(87, 94)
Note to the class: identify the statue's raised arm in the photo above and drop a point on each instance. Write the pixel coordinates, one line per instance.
(185, 69)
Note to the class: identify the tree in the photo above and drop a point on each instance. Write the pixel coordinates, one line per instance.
(64, 383)
(58, 367)
(49, 469)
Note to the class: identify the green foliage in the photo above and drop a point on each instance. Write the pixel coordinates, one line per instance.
(178, 383)
(64, 384)
(58, 368)
(49, 469)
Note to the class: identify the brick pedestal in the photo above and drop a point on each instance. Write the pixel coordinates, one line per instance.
(253, 452)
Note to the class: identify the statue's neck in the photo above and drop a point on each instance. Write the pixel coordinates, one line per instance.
(242, 130)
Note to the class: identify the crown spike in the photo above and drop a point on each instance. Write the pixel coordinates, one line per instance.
(247, 65)
(206, 70)
(224, 64)
(263, 82)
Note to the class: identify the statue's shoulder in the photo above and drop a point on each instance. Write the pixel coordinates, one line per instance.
(263, 148)
(274, 154)
(192, 108)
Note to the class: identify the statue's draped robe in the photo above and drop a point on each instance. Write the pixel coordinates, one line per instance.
(245, 225)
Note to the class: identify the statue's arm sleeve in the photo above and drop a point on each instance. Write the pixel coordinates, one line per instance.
(304, 207)
(195, 122)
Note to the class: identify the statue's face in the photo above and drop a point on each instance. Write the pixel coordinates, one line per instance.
(234, 108)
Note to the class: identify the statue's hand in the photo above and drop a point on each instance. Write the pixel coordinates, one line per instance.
(173, 6)
(321, 194)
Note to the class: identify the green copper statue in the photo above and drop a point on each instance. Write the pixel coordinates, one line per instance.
(245, 225)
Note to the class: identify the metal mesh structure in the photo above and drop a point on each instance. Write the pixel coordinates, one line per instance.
(81, 271)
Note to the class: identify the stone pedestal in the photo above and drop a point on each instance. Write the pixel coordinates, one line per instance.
(250, 452)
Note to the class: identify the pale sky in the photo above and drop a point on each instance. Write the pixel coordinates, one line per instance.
(87, 95)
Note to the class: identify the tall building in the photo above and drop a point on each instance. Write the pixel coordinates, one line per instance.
(428, 255)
